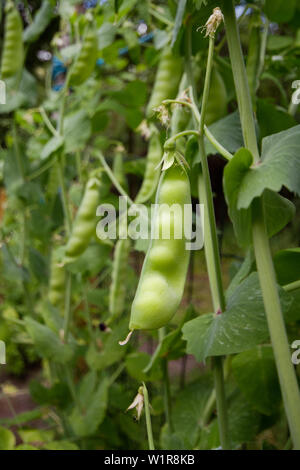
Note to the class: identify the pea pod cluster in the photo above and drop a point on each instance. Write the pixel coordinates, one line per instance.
(84, 225)
(162, 280)
(86, 60)
(13, 53)
(151, 177)
(166, 81)
(56, 292)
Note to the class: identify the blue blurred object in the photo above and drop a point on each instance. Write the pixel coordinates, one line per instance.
(58, 66)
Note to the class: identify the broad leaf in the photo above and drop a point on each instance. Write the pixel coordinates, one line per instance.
(287, 265)
(242, 326)
(86, 421)
(7, 439)
(280, 11)
(77, 130)
(47, 343)
(280, 166)
(256, 375)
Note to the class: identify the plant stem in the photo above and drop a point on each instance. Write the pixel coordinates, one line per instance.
(148, 418)
(292, 286)
(166, 383)
(212, 256)
(265, 268)
(68, 311)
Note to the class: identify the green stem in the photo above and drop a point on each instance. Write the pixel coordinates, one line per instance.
(265, 268)
(292, 286)
(219, 147)
(212, 255)
(148, 418)
(166, 383)
(64, 196)
(68, 311)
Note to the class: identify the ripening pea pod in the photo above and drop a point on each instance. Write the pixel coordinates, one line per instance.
(86, 59)
(84, 225)
(163, 275)
(13, 51)
(167, 80)
(216, 107)
(117, 292)
(151, 177)
(56, 291)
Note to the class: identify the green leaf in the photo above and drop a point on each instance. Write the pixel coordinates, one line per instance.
(54, 144)
(271, 119)
(235, 174)
(40, 22)
(187, 411)
(242, 326)
(110, 351)
(86, 421)
(178, 20)
(243, 421)
(23, 418)
(7, 439)
(228, 131)
(287, 265)
(280, 166)
(92, 260)
(61, 445)
(276, 43)
(58, 395)
(135, 365)
(242, 273)
(256, 375)
(106, 35)
(280, 11)
(40, 436)
(77, 130)
(47, 343)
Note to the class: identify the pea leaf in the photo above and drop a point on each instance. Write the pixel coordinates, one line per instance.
(256, 375)
(280, 166)
(7, 439)
(77, 130)
(135, 366)
(40, 22)
(178, 20)
(242, 326)
(54, 144)
(235, 173)
(287, 265)
(110, 351)
(47, 343)
(61, 445)
(86, 421)
(228, 131)
(280, 11)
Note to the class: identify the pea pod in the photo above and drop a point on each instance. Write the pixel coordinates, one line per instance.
(217, 103)
(117, 291)
(86, 60)
(118, 170)
(151, 176)
(56, 293)
(13, 53)
(84, 225)
(162, 280)
(166, 81)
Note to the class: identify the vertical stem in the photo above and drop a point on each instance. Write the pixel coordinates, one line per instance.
(68, 311)
(212, 255)
(286, 373)
(166, 383)
(148, 418)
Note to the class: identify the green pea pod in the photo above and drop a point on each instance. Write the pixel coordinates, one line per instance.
(13, 52)
(84, 225)
(117, 291)
(217, 103)
(162, 280)
(166, 81)
(56, 293)
(151, 177)
(86, 60)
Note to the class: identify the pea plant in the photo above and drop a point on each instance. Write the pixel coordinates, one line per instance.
(150, 342)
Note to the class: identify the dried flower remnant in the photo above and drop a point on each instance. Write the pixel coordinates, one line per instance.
(137, 403)
(213, 22)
